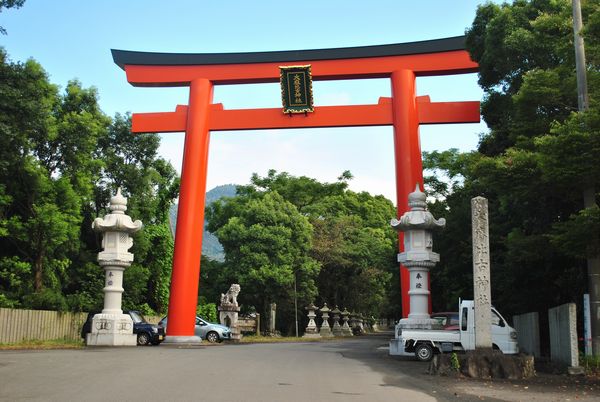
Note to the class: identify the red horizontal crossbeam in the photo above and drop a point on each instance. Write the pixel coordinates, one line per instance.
(324, 116)
(443, 63)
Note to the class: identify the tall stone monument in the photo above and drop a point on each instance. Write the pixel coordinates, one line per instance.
(481, 273)
(229, 311)
(272, 319)
(418, 257)
(112, 327)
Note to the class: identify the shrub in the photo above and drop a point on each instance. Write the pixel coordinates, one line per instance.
(207, 311)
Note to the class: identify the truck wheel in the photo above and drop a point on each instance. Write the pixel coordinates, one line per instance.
(423, 352)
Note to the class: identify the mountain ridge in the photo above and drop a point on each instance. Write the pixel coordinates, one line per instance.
(211, 247)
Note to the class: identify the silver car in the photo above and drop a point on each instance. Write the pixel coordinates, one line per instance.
(207, 330)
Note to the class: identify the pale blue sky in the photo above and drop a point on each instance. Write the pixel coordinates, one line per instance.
(73, 38)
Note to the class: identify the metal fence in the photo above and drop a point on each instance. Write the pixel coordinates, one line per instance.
(22, 325)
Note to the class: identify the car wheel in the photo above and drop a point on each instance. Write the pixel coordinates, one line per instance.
(423, 352)
(143, 339)
(212, 337)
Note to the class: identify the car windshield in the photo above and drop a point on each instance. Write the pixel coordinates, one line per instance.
(136, 317)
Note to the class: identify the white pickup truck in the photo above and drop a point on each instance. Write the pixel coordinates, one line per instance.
(423, 343)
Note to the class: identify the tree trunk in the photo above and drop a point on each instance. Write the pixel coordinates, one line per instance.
(38, 270)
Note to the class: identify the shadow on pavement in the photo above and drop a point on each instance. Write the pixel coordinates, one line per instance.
(372, 350)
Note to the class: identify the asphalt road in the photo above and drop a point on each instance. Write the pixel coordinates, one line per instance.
(333, 371)
(358, 369)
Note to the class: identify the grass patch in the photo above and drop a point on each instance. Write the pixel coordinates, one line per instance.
(44, 345)
(591, 364)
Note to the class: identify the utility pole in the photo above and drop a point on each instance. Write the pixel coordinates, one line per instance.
(589, 192)
(582, 92)
(295, 303)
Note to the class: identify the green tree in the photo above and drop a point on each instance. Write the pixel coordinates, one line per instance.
(301, 191)
(352, 242)
(359, 268)
(357, 264)
(61, 158)
(266, 242)
(40, 209)
(533, 163)
(131, 162)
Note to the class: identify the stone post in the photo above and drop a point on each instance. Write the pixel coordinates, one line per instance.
(325, 330)
(481, 273)
(272, 317)
(112, 327)
(418, 257)
(311, 330)
(229, 311)
(346, 331)
(337, 328)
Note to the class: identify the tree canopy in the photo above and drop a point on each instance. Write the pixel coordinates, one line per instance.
(61, 159)
(336, 245)
(533, 165)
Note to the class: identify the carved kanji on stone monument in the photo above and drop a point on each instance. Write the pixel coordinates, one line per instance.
(481, 273)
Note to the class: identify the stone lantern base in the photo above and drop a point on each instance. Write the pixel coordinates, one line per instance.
(346, 331)
(228, 316)
(111, 330)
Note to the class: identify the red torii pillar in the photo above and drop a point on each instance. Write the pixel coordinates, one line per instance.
(407, 151)
(192, 196)
(405, 111)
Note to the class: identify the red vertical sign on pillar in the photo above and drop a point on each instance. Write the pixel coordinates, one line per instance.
(190, 216)
(407, 151)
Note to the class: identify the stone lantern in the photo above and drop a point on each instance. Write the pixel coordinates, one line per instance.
(112, 327)
(346, 331)
(311, 330)
(337, 328)
(359, 323)
(353, 322)
(418, 257)
(325, 329)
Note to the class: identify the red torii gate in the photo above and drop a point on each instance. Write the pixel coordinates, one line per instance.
(402, 63)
